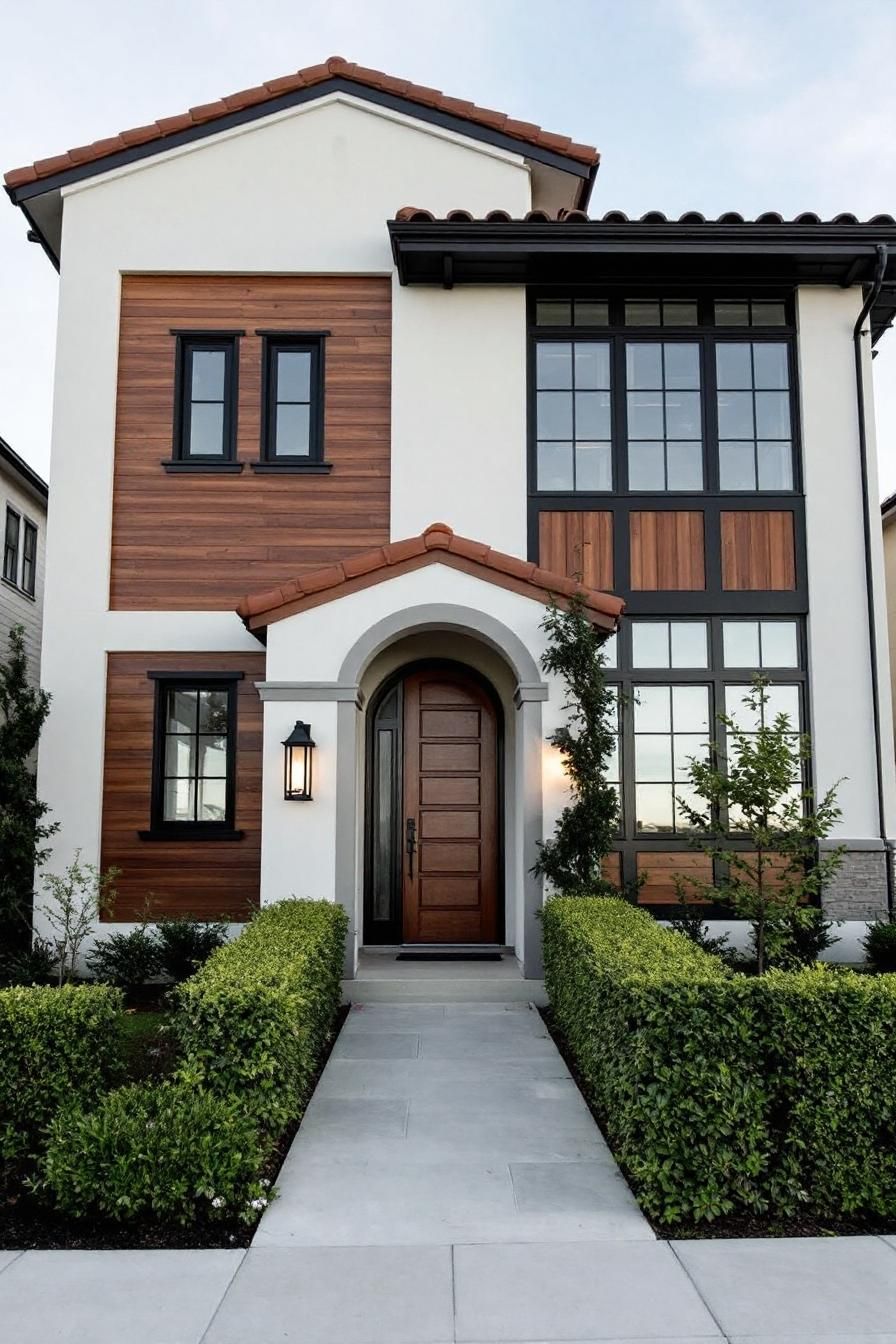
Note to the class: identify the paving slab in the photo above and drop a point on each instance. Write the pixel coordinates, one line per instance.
(106, 1297)
(828, 1286)
(377, 1045)
(349, 1295)
(576, 1292)
(7, 1257)
(816, 1338)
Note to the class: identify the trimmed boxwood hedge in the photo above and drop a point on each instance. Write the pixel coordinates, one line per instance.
(56, 1046)
(721, 1093)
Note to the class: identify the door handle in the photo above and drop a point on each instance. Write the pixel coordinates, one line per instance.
(411, 842)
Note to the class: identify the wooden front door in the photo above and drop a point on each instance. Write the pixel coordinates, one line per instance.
(450, 823)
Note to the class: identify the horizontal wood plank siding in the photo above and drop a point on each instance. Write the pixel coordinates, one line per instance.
(659, 870)
(611, 868)
(667, 551)
(578, 544)
(758, 552)
(200, 542)
(204, 878)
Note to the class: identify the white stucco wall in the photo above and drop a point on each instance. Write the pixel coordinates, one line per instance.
(838, 621)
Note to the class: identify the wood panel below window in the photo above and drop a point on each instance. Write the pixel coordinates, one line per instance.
(577, 544)
(667, 551)
(659, 870)
(206, 878)
(758, 552)
(611, 868)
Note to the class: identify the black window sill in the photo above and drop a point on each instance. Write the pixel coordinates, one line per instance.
(22, 592)
(292, 468)
(191, 833)
(222, 468)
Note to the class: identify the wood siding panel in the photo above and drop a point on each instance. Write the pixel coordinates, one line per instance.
(611, 868)
(577, 543)
(758, 551)
(667, 551)
(205, 878)
(200, 542)
(659, 869)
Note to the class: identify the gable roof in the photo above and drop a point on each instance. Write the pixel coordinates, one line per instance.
(437, 544)
(208, 117)
(26, 475)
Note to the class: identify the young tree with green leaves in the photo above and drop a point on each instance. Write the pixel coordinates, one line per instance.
(587, 826)
(753, 789)
(23, 828)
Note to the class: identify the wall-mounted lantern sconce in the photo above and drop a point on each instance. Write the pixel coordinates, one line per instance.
(298, 751)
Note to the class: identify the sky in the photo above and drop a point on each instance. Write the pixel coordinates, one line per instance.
(707, 105)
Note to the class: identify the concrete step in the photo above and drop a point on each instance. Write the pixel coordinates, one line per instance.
(401, 988)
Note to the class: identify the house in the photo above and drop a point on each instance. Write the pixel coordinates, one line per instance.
(348, 384)
(23, 505)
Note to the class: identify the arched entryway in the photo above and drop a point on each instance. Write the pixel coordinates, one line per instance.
(433, 861)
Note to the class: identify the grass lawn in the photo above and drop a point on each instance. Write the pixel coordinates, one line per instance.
(147, 1051)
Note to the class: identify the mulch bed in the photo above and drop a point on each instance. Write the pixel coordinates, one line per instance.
(26, 1224)
(732, 1225)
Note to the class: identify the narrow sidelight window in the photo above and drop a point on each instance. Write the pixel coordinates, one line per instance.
(29, 558)
(194, 756)
(206, 401)
(11, 546)
(293, 408)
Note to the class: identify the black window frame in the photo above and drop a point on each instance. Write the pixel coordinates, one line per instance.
(313, 462)
(12, 549)
(188, 344)
(29, 560)
(161, 828)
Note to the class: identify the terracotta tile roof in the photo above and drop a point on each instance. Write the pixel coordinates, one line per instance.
(415, 214)
(438, 543)
(526, 132)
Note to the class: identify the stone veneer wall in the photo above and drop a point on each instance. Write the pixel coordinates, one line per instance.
(859, 889)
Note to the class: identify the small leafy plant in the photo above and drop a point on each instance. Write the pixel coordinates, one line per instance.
(75, 899)
(34, 965)
(185, 944)
(880, 946)
(690, 920)
(127, 960)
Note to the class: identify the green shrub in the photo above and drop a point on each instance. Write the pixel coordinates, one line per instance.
(723, 1093)
(880, 946)
(34, 965)
(253, 1021)
(125, 959)
(167, 1151)
(186, 944)
(56, 1046)
(794, 943)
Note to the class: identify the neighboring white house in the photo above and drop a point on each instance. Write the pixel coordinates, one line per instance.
(23, 514)
(348, 384)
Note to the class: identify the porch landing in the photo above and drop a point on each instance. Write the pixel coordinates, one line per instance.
(382, 979)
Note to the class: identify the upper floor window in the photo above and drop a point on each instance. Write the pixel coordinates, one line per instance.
(753, 398)
(573, 417)
(29, 558)
(194, 755)
(292, 411)
(205, 429)
(11, 546)
(663, 415)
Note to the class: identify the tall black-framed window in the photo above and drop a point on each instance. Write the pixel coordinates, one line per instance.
(194, 757)
(292, 410)
(573, 416)
(11, 545)
(205, 415)
(29, 558)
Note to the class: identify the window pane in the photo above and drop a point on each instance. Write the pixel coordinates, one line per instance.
(206, 429)
(588, 314)
(611, 764)
(770, 364)
(685, 466)
(653, 804)
(772, 416)
(740, 643)
(642, 313)
(652, 710)
(609, 651)
(645, 415)
(684, 794)
(682, 415)
(687, 747)
(552, 313)
(592, 415)
(645, 466)
(208, 375)
(553, 364)
(643, 364)
(179, 801)
(738, 710)
(688, 643)
(213, 712)
(736, 415)
(212, 761)
(783, 700)
(682, 364)
(729, 314)
(180, 754)
(650, 644)
(775, 466)
(778, 644)
(679, 314)
(690, 709)
(293, 431)
(293, 375)
(769, 315)
(592, 365)
(181, 711)
(737, 466)
(555, 466)
(594, 469)
(733, 368)
(554, 415)
(212, 799)
(653, 756)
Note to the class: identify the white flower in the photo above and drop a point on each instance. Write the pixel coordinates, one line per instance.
(265, 1183)
(259, 1204)
(218, 1202)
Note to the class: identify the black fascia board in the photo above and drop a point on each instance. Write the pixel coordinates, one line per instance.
(27, 474)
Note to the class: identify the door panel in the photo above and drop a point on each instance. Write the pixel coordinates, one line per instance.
(450, 882)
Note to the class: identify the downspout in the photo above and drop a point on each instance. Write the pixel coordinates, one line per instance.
(880, 271)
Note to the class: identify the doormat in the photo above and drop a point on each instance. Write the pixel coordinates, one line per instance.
(448, 956)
